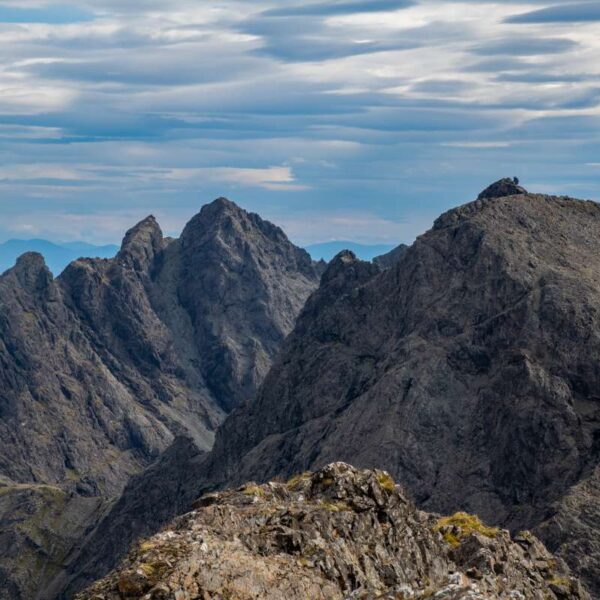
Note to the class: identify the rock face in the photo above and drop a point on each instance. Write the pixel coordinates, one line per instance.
(572, 529)
(388, 260)
(469, 371)
(335, 534)
(103, 366)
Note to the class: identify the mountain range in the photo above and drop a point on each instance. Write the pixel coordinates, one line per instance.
(57, 255)
(328, 250)
(464, 365)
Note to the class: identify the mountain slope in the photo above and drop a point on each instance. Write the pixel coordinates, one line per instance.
(468, 370)
(104, 365)
(335, 534)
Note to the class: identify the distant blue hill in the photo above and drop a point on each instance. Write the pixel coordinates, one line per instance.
(328, 250)
(57, 255)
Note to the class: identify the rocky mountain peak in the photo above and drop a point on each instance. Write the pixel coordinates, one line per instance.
(337, 533)
(222, 216)
(502, 188)
(30, 262)
(141, 244)
(346, 269)
(388, 260)
(31, 272)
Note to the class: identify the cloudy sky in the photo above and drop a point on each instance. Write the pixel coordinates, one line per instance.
(338, 119)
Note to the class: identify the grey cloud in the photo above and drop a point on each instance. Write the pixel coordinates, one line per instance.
(339, 8)
(565, 13)
(514, 46)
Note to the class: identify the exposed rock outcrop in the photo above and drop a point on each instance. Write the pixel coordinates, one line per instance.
(335, 534)
(502, 188)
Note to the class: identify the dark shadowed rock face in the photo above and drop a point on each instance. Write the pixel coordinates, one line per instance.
(334, 534)
(103, 366)
(387, 261)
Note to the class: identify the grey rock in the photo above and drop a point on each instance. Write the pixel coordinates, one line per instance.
(502, 188)
(388, 260)
(336, 534)
(104, 366)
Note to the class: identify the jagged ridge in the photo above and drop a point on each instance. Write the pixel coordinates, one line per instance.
(335, 534)
(103, 366)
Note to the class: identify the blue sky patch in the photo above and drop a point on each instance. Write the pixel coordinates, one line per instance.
(53, 14)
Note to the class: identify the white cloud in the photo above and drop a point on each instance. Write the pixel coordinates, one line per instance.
(153, 105)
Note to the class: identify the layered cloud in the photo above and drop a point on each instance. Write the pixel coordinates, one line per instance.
(338, 119)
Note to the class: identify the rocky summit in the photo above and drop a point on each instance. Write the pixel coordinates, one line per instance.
(335, 534)
(503, 188)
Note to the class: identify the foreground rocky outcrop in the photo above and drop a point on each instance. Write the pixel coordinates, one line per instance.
(335, 534)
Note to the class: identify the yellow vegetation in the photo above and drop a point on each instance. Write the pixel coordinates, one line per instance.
(560, 581)
(253, 490)
(335, 506)
(147, 569)
(296, 479)
(461, 525)
(386, 482)
(146, 546)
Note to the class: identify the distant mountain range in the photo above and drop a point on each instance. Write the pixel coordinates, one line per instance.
(328, 250)
(57, 254)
